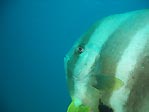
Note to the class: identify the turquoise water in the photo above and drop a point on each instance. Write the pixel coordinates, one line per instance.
(35, 36)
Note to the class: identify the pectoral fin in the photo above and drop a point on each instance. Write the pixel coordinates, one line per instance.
(81, 108)
(107, 82)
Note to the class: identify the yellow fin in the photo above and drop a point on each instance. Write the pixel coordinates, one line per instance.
(118, 84)
(81, 108)
(107, 82)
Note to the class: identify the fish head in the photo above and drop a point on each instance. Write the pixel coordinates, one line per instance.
(79, 62)
(79, 66)
(81, 56)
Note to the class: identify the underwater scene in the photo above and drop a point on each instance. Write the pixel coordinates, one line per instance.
(74, 55)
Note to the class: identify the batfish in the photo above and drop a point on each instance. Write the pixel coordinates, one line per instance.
(107, 69)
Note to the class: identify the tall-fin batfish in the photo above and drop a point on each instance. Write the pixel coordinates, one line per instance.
(108, 67)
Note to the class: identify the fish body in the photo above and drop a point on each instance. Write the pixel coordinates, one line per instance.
(109, 65)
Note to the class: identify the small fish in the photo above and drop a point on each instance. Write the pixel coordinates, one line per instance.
(105, 64)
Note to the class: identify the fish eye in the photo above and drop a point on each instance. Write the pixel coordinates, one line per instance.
(80, 49)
